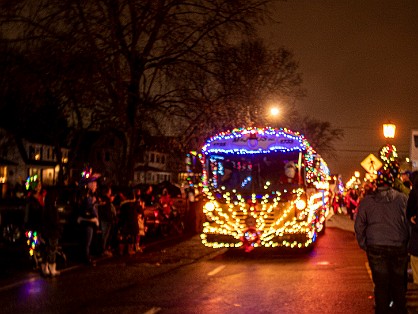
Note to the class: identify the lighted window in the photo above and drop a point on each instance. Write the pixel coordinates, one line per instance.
(3, 174)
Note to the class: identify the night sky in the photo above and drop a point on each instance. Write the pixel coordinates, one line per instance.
(359, 60)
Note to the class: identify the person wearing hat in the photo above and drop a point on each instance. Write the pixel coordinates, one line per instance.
(382, 230)
(290, 175)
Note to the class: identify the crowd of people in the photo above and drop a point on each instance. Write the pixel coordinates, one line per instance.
(385, 224)
(385, 212)
(108, 222)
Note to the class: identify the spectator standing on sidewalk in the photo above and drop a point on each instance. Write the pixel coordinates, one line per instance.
(34, 216)
(148, 197)
(351, 202)
(412, 213)
(406, 178)
(107, 214)
(89, 218)
(166, 202)
(382, 230)
(51, 232)
(35, 203)
(128, 225)
(139, 207)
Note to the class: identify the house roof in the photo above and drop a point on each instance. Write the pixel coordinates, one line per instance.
(6, 162)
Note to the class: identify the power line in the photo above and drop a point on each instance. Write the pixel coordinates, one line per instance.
(357, 128)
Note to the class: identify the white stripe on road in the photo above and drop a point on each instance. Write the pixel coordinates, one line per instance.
(216, 270)
(153, 310)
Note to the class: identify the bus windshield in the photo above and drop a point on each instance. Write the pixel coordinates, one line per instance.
(254, 173)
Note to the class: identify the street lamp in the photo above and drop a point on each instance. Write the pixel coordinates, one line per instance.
(389, 130)
(273, 115)
(388, 153)
(274, 111)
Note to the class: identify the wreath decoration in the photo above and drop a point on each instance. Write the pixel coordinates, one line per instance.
(251, 236)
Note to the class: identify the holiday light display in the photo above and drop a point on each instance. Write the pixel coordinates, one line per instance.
(86, 173)
(389, 157)
(31, 182)
(388, 154)
(247, 204)
(32, 241)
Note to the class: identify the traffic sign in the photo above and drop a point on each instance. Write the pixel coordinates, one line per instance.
(371, 164)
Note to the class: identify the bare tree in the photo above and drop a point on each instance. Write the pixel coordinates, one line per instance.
(233, 87)
(151, 65)
(320, 134)
(134, 43)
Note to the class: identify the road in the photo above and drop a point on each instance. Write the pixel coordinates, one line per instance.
(190, 278)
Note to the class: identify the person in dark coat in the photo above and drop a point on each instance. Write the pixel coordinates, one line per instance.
(412, 213)
(382, 230)
(51, 231)
(35, 203)
(128, 225)
(107, 214)
(88, 218)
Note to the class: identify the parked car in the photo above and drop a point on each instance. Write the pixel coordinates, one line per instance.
(12, 213)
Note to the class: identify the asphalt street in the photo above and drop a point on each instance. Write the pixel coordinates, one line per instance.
(343, 222)
(16, 269)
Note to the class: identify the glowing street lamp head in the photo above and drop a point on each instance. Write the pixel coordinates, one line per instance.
(389, 130)
(274, 111)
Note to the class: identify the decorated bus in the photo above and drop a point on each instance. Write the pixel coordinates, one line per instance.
(263, 187)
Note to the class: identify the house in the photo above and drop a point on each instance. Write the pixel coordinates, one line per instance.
(21, 158)
(153, 168)
(105, 152)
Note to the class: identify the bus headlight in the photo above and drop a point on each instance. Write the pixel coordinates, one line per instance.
(209, 207)
(300, 212)
(300, 204)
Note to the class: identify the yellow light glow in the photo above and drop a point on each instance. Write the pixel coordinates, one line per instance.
(389, 130)
(274, 111)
